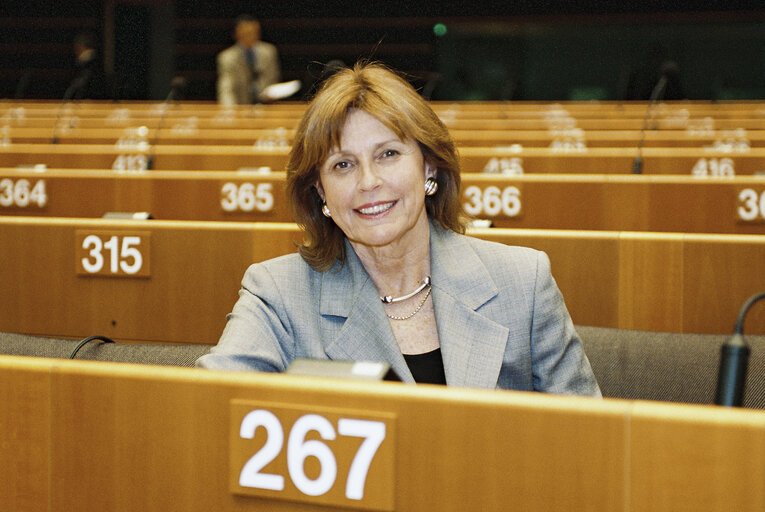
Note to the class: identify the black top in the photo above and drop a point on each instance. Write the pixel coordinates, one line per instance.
(427, 368)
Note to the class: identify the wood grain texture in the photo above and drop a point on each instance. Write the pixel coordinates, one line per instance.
(25, 444)
(662, 161)
(548, 201)
(128, 437)
(649, 281)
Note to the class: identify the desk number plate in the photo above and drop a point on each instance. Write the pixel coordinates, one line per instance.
(313, 455)
(113, 253)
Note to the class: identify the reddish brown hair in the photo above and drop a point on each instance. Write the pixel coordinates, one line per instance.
(380, 92)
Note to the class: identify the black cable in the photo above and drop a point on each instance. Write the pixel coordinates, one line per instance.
(85, 341)
(744, 309)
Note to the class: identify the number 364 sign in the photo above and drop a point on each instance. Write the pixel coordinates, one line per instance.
(312, 455)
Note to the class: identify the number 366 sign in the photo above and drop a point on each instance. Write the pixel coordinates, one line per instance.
(313, 455)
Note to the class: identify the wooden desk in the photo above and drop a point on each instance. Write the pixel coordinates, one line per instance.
(732, 140)
(669, 161)
(186, 283)
(453, 122)
(615, 202)
(169, 195)
(541, 201)
(191, 272)
(90, 436)
(675, 110)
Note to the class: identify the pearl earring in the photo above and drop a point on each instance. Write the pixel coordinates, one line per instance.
(431, 186)
(325, 210)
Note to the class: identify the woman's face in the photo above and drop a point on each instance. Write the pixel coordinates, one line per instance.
(374, 184)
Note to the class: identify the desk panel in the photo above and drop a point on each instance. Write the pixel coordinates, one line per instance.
(590, 202)
(664, 282)
(188, 121)
(574, 138)
(115, 428)
(196, 271)
(668, 161)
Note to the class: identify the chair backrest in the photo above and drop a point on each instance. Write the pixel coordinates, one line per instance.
(166, 355)
(664, 366)
(628, 364)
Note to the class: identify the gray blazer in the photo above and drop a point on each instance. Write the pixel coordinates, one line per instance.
(501, 319)
(235, 81)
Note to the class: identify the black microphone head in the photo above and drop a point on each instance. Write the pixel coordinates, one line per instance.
(668, 68)
(79, 82)
(333, 66)
(178, 82)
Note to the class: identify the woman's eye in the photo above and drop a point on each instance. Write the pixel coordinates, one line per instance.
(342, 165)
(389, 153)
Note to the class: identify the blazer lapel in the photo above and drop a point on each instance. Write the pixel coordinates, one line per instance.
(365, 335)
(472, 345)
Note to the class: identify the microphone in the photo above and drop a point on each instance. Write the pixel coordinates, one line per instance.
(667, 68)
(177, 84)
(21, 87)
(78, 83)
(734, 358)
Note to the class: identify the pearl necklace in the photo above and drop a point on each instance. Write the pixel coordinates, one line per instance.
(390, 300)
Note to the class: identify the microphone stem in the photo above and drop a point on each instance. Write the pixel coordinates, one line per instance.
(637, 164)
(745, 308)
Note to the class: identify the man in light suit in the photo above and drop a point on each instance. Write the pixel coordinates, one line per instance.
(247, 67)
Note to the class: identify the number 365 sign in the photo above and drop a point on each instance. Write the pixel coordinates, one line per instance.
(312, 455)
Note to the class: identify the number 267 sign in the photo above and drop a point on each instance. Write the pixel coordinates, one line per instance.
(313, 455)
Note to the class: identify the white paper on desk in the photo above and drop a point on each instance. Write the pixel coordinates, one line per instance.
(280, 91)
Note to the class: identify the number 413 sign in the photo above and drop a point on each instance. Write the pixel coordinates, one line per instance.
(312, 454)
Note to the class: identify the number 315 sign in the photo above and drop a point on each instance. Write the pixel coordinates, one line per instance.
(312, 454)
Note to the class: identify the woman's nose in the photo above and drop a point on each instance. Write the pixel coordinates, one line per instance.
(369, 178)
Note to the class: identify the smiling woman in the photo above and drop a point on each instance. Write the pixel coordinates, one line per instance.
(385, 272)
(376, 94)
(373, 183)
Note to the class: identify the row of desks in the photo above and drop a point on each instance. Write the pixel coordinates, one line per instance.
(578, 202)
(74, 120)
(544, 201)
(174, 281)
(734, 141)
(484, 110)
(675, 161)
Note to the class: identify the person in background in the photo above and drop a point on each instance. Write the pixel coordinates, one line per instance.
(247, 67)
(385, 272)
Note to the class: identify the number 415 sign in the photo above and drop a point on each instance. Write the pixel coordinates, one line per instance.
(312, 454)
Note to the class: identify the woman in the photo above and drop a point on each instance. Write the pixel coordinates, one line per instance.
(385, 273)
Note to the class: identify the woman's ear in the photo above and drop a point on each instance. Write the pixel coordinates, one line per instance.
(319, 190)
(430, 170)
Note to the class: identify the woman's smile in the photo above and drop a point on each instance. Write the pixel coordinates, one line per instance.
(375, 209)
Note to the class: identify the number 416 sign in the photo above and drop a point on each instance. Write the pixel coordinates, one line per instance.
(312, 454)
